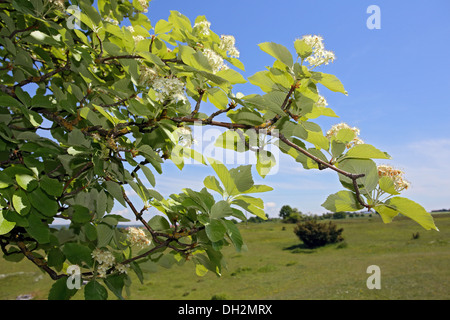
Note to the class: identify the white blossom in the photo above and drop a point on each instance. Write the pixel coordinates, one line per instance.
(319, 56)
(203, 27)
(185, 138)
(137, 237)
(60, 4)
(137, 38)
(147, 75)
(144, 4)
(395, 175)
(227, 43)
(321, 102)
(105, 261)
(215, 60)
(169, 89)
(122, 268)
(337, 127)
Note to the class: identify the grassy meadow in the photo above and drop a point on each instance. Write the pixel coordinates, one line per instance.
(277, 266)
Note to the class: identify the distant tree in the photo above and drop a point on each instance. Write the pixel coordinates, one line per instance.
(339, 215)
(285, 211)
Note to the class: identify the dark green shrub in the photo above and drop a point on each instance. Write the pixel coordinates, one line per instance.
(316, 234)
(339, 215)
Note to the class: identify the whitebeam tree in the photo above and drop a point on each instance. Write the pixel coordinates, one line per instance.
(84, 98)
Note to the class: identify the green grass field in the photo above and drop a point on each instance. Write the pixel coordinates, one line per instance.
(276, 266)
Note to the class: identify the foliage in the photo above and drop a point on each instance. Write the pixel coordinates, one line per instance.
(317, 234)
(285, 211)
(89, 106)
(339, 215)
(293, 217)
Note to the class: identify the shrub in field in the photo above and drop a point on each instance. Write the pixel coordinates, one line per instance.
(316, 234)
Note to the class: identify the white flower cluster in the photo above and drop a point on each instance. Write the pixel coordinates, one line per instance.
(137, 237)
(136, 38)
(227, 43)
(337, 127)
(320, 55)
(60, 4)
(144, 4)
(185, 138)
(105, 260)
(215, 60)
(204, 27)
(322, 102)
(395, 175)
(147, 75)
(169, 89)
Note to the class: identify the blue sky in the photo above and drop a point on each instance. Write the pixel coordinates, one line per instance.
(397, 80)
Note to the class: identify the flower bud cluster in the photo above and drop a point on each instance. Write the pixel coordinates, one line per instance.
(395, 175)
(337, 127)
(137, 237)
(319, 56)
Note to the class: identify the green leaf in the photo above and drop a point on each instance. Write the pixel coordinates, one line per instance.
(38, 230)
(115, 283)
(345, 135)
(234, 234)
(231, 76)
(56, 258)
(242, 177)
(360, 166)
(221, 209)
(95, 291)
(21, 203)
(342, 201)
(78, 254)
(278, 51)
(51, 186)
(224, 176)
(81, 214)
(116, 191)
(303, 49)
(104, 235)
(26, 181)
(5, 225)
(411, 210)
(159, 223)
(387, 185)
(43, 203)
(329, 81)
(215, 230)
(366, 151)
(213, 184)
(258, 188)
(5, 180)
(200, 270)
(60, 291)
(148, 174)
(262, 80)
